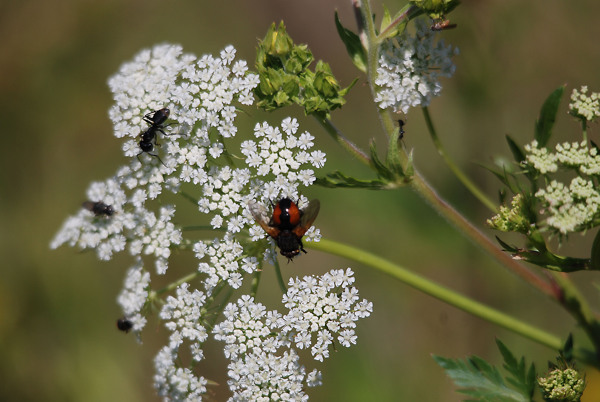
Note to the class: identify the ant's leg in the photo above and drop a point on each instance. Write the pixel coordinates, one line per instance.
(163, 162)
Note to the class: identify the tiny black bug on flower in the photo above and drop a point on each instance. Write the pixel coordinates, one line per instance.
(125, 325)
(98, 208)
(148, 137)
(287, 224)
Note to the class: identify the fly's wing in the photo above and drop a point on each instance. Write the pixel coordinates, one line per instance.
(309, 214)
(259, 213)
(89, 205)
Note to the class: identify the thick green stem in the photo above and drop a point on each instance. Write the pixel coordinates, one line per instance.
(472, 232)
(439, 292)
(454, 168)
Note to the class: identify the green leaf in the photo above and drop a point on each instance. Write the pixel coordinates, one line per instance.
(382, 169)
(503, 176)
(595, 257)
(567, 350)
(477, 378)
(338, 179)
(521, 378)
(506, 246)
(393, 158)
(353, 46)
(544, 124)
(516, 150)
(386, 19)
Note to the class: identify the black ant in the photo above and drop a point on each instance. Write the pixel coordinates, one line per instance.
(148, 137)
(98, 208)
(401, 127)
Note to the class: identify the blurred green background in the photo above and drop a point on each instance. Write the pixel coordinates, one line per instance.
(58, 341)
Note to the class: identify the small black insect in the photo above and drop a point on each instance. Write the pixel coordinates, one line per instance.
(401, 124)
(148, 137)
(98, 208)
(124, 324)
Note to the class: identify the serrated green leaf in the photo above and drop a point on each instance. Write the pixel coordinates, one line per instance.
(520, 377)
(516, 150)
(545, 122)
(338, 179)
(477, 378)
(353, 46)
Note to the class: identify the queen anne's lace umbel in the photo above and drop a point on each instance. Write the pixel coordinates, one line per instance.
(410, 68)
(192, 152)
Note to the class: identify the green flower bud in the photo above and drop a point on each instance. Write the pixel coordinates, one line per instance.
(562, 385)
(436, 8)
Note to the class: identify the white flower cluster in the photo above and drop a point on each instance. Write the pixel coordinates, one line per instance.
(264, 366)
(322, 308)
(575, 206)
(257, 372)
(176, 383)
(570, 208)
(103, 233)
(226, 261)
(541, 160)
(410, 68)
(572, 155)
(584, 106)
(189, 148)
(183, 314)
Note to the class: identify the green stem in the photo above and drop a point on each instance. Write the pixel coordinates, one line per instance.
(174, 285)
(189, 197)
(279, 276)
(255, 282)
(454, 168)
(439, 292)
(343, 140)
(584, 129)
(426, 191)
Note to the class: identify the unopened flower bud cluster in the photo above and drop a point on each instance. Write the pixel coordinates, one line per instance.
(562, 385)
(584, 106)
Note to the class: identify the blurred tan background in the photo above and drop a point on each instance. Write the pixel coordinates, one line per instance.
(58, 340)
